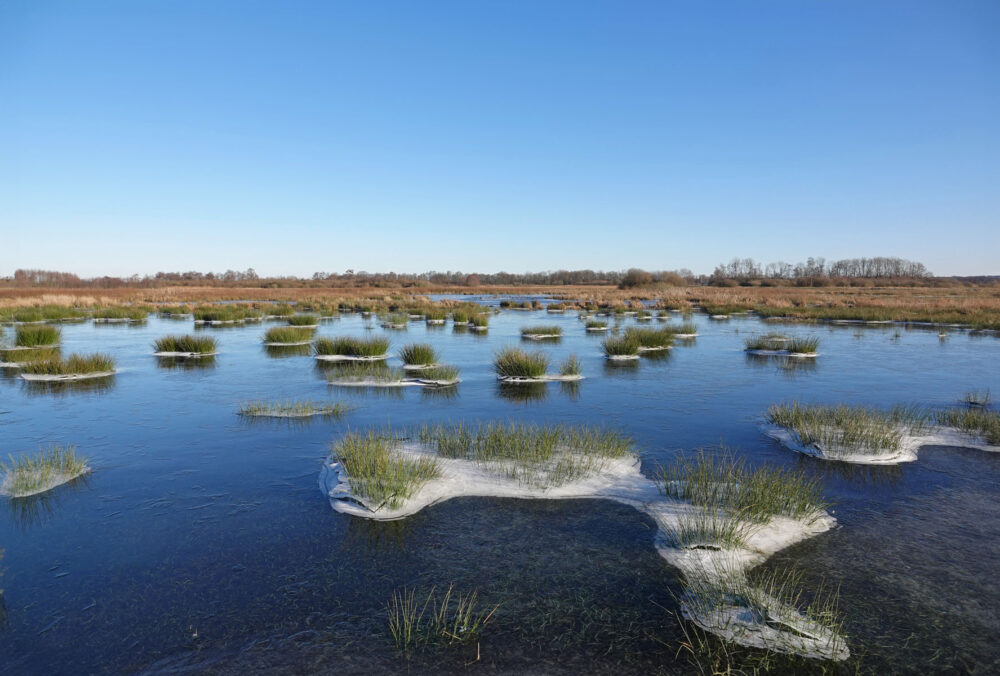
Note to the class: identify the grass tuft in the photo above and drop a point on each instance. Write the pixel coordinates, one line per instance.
(378, 473)
(570, 367)
(976, 421)
(513, 362)
(75, 364)
(37, 336)
(620, 347)
(303, 320)
(352, 347)
(728, 485)
(29, 474)
(530, 454)
(650, 338)
(978, 398)
(290, 408)
(195, 344)
(289, 334)
(453, 619)
(541, 330)
(846, 430)
(418, 354)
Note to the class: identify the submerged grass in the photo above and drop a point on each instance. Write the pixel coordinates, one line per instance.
(456, 618)
(729, 485)
(75, 364)
(513, 362)
(195, 344)
(418, 354)
(378, 473)
(36, 335)
(846, 430)
(541, 456)
(292, 408)
(29, 474)
(977, 421)
(289, 334)
(352, 347)
(979, 398)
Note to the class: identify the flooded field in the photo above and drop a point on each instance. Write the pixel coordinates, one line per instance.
(201, 540)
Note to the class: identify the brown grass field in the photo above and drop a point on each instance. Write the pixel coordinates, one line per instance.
(977, 306)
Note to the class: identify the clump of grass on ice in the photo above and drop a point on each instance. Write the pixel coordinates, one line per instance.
(803, 345)
(24, 356)
(809, 624)
(595, 324)
(685, 329)
(194, 344)
(460, 317)
(442, 372)
(396, 319)
(374, 372)
(296, 408)
(542, 456)
(456, 618)
(510, 362)
(303, 320)
(418, 354)
(289, 334)
(768, 342)
(352, 347)
(173, 310)
(623, 346)
(479, 321)
(225, 313)
(281, 310)
(650, 338)
(435, 315)
(707, 529)
(132, 314)
(75, 364)
(542, 330)
(378, 473)
(977, 421)
(30, 474)
(48, 313)
(846, 430)
(728, 485)
(36, 335)
(570, 366)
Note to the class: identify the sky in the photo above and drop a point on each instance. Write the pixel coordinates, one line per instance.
(296, 137)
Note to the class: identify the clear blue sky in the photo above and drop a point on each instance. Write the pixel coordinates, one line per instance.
(295, 136)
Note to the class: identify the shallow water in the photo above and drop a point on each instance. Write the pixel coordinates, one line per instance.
(202, 541)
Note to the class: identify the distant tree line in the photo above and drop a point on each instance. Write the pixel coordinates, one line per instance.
(879, 267)
(746, 271)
